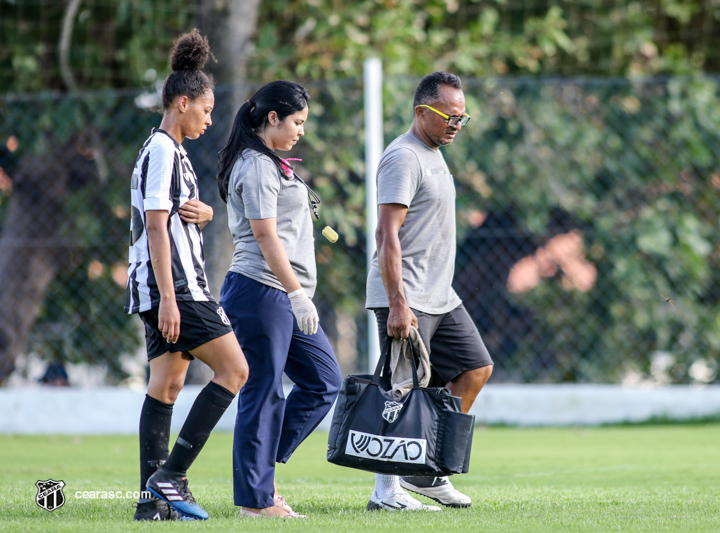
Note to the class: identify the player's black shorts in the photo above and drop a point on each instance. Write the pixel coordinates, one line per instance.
(200, 322)
(452, 341)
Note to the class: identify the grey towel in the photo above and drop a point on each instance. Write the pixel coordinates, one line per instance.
(401, 367)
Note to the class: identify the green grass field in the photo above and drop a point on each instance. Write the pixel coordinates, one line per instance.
(633, 478)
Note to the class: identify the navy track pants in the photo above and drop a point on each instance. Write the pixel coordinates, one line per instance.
(269, 427)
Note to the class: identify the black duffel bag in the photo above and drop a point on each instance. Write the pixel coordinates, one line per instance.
(424, 434)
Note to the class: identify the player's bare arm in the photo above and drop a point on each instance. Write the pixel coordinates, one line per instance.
(196, 212)
(159, 245)
(401, 317)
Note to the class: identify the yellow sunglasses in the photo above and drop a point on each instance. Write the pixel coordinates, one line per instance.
(452, 121)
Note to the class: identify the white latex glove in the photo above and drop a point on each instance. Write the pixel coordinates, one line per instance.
(304, 311)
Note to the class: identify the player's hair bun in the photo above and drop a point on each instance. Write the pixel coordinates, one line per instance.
(189, 55)
(190, 52)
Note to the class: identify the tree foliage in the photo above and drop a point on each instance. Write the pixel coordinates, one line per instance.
(630, 163)
(115, 44)
(322, 39)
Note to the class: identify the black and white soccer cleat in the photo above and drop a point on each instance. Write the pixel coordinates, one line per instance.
(173, 488)
(155, 509)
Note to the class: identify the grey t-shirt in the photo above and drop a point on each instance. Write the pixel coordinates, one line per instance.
(413, 174)
(258, 191)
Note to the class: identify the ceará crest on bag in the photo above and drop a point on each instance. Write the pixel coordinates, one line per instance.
(392, 409)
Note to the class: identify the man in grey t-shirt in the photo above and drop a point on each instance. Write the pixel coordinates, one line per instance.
(410, 278)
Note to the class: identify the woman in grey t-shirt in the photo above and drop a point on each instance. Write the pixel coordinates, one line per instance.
(267, 295)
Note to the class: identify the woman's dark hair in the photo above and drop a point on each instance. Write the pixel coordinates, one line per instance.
(189, 55)
(283, 97)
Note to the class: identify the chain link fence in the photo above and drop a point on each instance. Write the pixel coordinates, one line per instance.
(587, 222)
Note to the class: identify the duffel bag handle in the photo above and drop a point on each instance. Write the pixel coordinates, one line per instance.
(383, 364)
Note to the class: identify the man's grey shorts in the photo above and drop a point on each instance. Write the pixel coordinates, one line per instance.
(452, 341)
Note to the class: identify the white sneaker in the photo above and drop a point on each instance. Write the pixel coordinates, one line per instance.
(436, 488)
(399, 500)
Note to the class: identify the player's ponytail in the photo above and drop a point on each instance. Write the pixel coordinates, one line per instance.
(189, 54)
(283, 97)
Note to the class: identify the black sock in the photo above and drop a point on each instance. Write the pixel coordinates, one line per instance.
(155, 419)
(205, 413)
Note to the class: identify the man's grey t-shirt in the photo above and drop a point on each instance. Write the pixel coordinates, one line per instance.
(258, 191)
(414, 175)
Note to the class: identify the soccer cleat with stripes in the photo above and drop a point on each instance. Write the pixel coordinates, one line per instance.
(155, 509)
(398, 500)
(173, 488)
(436, 488)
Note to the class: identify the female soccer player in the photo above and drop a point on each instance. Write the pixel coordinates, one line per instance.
(267, 295)
(167, 286)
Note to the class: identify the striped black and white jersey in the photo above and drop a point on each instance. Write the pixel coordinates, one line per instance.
(163, 179)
